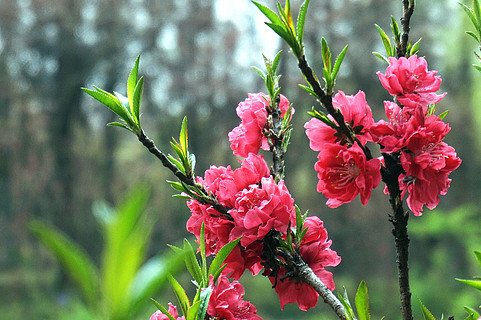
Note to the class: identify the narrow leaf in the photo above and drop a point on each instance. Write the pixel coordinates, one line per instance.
(284, 34)
(443, 115)
(202, 252)
(472, 283)
(132, 83)
(426, 313)
(338, 62)
(475, 36)
(221, 256)
(380, 56)
(275, 62)
(204, 302)
(184, 137)
(477, 67)
(118, 124)
(478, 257)
(395, 29)
(191, 262)
(109, 100)
(271, 15)
(385, 39)
(309, 89)
(162, 309)
(137, 99)
(301, 19)
(77, 264)
(415, 47)
(180, 294)
(362, 302)
(259, 72)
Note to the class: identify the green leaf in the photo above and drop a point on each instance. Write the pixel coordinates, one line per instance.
(284, 34)
(415, 47)
(471, 15)
(472, 312)
(443, 115)
(385, 40)
(162, 309)
(472, 283)
(362, 302)
(347, 305)
(477, 15)
(152, 276)
(259, 72)
(221, 256)
(204, 302)
(77, 264)
(380, 56)
(338, 62)
(191, 262)
(426, 313)
(202, 252)
(180, 294)
(132, 83)
(121, 125)
(477, 67)
(478, 257)
(184, 137)
(309, 90)
(271, 15)
(275, 62)
(326, 56)
(395, 29)
(109, 100)
(301, 19)
(472, 34)
(137, 99)
(126, 235)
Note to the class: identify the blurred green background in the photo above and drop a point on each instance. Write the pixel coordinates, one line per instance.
(57, 157)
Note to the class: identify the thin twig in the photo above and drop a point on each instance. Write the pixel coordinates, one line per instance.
(408, 9)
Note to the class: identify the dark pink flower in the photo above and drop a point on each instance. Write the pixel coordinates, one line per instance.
(248, 137)
(315, 251)
(356, 112)
(259, 209)
(406, 129)
(411, 82)
(226, 301)
(172, 310)
(344, 173)
(427, 168)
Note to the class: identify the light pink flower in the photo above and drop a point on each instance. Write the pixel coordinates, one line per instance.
(226, 301)
(248, 137)
(315, 251)
(172, 310)
(344, 173)
(427, 168)
(411, 82)
(357, 114)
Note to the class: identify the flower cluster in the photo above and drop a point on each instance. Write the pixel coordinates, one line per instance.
(417, 134)
(315, 251)
(256, 207)
(249, 136)
(226, 302)
(412, 131)
(342, 167)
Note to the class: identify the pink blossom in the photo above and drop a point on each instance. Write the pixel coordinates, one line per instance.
(315, 251)
(427, 168)
(356, 112)
(411, 82)
(226, 301)
(248, 137)
(406, 129)
(259, 209)
(344, 173)
(172, 310)
(241, 259)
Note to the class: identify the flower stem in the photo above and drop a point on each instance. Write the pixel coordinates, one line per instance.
(306, 275)
(390, 173)
(408, 9)
(210, 199)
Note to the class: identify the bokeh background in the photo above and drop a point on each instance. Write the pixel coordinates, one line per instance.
(57, 157)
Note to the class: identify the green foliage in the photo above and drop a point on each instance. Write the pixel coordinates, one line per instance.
(392, 47)
(123, 284)
(72, 258)
(426, 313)
(283, 25)
(361, 301)
(201, 272)
(474, 15)
(126, 108)
(473, 314)
(330, 73)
